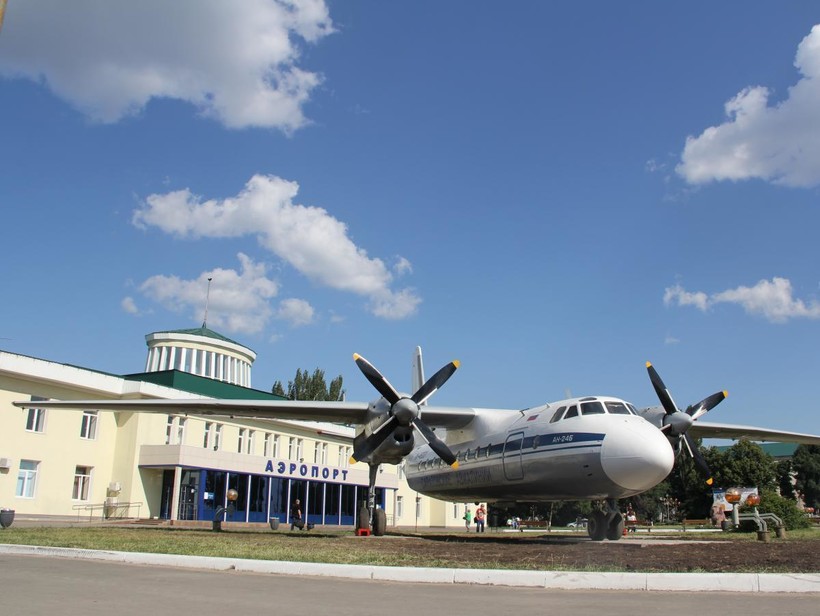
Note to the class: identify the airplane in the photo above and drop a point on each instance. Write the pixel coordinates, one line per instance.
(598, 448)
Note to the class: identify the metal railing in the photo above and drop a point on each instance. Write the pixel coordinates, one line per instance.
(107, 511)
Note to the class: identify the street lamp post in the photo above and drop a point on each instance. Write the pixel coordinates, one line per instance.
(232, 496)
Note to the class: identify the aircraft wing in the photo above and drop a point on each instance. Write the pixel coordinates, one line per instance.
(451, 418)
(703, 429)
(350, 413)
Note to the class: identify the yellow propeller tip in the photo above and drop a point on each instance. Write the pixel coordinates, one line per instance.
(455, 464)
(456, 363)
(725, 394)
(709, 481)
(649, 364)
(356, 356)
(353, 460)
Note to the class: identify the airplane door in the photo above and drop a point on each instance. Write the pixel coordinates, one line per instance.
(513, 467)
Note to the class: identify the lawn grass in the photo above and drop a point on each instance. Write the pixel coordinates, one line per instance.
(336, 547)
(319, 547)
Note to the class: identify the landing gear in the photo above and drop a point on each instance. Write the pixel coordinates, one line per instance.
(376, 519)
(607, 524)
(379, 522)
(615, 529)
(596, 526)
(363, 519)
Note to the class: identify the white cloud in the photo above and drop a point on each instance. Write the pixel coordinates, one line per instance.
(308, 238)
(772, 300)
(239, 301)
(402, 267)
(679, 295)
(778, 143)
(297, 312)
(395, 306)
(670, 340)
(129, 305)
(234, 63)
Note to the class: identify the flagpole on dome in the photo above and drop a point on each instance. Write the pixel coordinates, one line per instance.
(207, 297)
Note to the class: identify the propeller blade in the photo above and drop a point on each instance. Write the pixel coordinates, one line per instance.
(378, 381)
(663, 393)
(372, 442)
(436, 444)
(700, 461)
(435, 382)
(706, 405)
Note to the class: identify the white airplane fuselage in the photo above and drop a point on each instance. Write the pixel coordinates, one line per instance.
(543, 454)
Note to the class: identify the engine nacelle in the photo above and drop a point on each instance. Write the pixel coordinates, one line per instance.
(393, 450)
(396, 447)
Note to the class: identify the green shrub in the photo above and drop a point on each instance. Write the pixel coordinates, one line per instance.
(784, 508)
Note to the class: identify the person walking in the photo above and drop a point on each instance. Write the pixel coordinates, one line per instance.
(296, 516)
(480, 514)
(468, 518)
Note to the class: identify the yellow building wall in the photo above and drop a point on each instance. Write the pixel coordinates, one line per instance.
(114, 454)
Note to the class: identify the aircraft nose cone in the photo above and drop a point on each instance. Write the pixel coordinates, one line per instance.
(636, 455)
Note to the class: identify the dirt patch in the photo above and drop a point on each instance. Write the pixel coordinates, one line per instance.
(545, 552)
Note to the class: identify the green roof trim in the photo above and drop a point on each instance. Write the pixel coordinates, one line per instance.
(184, 381)
(775, 450)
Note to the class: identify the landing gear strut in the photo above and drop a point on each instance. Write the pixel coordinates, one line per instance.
(607, 524)
(369, 517)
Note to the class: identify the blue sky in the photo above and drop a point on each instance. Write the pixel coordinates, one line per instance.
(551, 192)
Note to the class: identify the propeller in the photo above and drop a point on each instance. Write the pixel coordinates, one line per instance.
(404, 411)
(676, 423)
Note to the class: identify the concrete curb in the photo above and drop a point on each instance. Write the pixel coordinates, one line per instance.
(563, 580)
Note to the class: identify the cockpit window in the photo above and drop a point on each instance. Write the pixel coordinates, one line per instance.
(571, 412)
(616, 408)
(592, 408)
(632, 408)
(558, 413)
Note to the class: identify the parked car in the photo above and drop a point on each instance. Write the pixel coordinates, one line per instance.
(582, 523)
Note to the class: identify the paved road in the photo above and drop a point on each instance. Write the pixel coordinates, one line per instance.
(70, 587)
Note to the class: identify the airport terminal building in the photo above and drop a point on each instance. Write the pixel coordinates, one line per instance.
(175, 467)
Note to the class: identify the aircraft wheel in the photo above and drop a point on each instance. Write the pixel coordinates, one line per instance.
(363, 520)
(615, 530)
(597, 526)
(379, 522)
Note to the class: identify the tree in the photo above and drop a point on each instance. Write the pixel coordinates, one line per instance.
(785, 478)
(806, 465)
(745, 464)
(306, 386)
(647, 505)
(687, 485)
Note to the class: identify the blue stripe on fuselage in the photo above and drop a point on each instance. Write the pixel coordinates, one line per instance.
(536, 443)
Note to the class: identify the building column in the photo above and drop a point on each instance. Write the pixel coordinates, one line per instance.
(175, 494)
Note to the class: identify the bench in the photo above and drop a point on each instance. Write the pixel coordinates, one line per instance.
(632, 527)
(533, 524)
(697, 523)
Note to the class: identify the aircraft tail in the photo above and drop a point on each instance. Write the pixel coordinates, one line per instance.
(417, 374)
